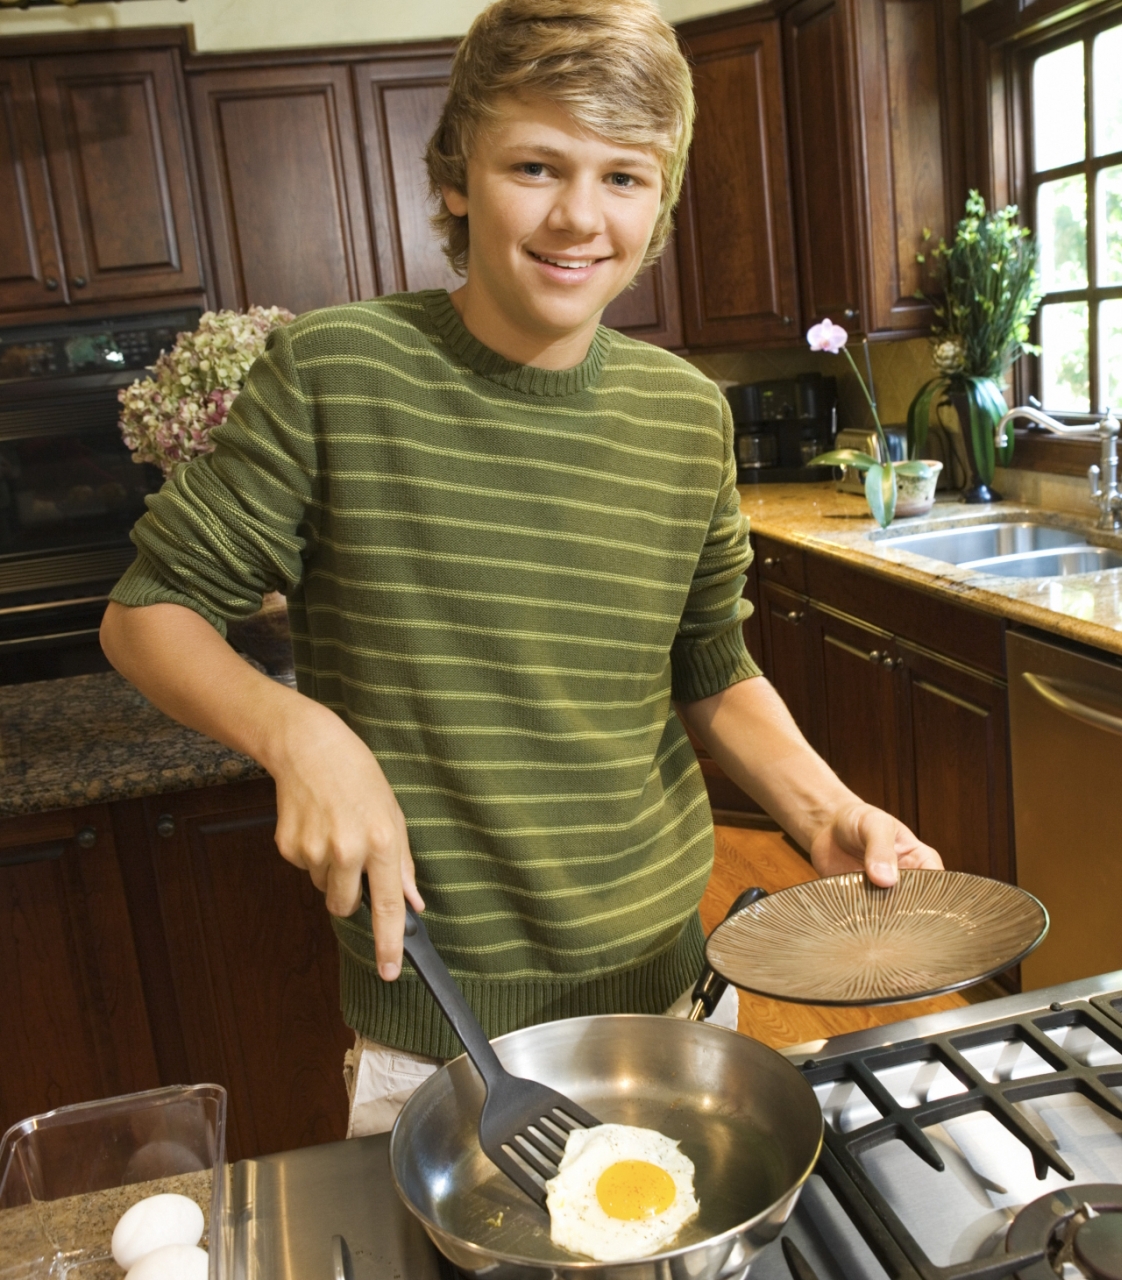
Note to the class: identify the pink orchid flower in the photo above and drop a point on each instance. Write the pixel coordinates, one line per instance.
(827, 336)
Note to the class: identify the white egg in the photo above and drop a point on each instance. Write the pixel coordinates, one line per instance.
(620, 1192)
(153, 1222)
(172, 1262)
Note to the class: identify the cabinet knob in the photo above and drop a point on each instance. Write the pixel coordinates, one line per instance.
(851, 313)
(772, 562)
(86, 838)
(165, 826)
(52, 284)
(79, 282)
(878, 655)
(892, 663)
(795, 615)
(786, 319)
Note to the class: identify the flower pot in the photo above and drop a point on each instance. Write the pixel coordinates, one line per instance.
(915, 495)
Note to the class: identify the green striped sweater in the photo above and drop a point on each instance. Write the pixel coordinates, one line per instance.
(498, 576)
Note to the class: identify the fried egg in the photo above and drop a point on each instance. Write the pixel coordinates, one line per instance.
(620, 1193)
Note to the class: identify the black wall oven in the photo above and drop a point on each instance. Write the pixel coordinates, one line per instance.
(69, 491)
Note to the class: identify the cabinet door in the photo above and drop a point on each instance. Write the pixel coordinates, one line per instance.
(788, 652)
(737, 253)
(71, 1004)
(955, 762)
(30, 271)
(820, 120)
(911, 143)
(254, 966)
(858, 733)
(399, 104)
(118, 157)
(282, 185)
(652, 308)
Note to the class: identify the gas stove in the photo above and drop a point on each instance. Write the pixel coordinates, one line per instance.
(975, 1144)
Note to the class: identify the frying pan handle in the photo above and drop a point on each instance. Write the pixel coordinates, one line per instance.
(711, 986)
(447, 994)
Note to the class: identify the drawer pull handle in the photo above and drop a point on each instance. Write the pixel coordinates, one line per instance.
(165, 826)
(877, 655)
(51, 284)
(86, 838)
(79, 282)
(795, 615)
(772, 562)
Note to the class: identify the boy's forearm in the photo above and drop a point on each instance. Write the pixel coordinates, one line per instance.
(183, 666)
(749, 732)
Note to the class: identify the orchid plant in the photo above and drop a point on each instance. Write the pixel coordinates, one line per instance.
(167, 418)
(880, 473)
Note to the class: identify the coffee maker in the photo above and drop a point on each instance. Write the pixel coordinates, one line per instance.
(781, 425)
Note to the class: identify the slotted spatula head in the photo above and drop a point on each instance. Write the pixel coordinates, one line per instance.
(524, 1125)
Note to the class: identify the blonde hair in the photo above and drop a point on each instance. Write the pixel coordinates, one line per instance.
(614, 65)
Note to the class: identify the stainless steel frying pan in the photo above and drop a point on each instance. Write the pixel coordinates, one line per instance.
(744, 1115)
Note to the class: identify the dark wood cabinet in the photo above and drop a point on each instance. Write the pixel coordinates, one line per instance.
(71, 1002)
(96, 204)
(877, 153)
(31, 273)
(248, 994)
(163, 941)
(282, 185)
(903, 694)
(117, 151)
(735, 231)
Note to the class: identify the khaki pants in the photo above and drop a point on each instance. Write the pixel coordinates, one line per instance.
(380, 1080)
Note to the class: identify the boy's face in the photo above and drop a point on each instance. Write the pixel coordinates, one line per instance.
(559, 220)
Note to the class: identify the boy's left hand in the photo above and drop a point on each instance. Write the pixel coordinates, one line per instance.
(861, 836)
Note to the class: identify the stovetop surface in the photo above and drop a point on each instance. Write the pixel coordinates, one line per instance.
(938, 1132)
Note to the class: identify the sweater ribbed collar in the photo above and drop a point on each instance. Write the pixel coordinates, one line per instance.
(527, 378)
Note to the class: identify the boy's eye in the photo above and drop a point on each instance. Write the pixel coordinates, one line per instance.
(532, 169)
(622, 180)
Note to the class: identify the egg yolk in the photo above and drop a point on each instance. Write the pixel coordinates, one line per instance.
(634, 1189)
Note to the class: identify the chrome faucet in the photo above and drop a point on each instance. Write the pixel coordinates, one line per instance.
(1102, 476)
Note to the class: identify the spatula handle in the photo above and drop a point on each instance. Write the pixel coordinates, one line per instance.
(446, 992)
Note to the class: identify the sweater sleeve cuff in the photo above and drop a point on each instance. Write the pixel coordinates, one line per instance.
(701, 669)
(142, 585)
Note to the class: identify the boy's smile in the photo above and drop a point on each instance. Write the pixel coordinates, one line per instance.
(559, 221)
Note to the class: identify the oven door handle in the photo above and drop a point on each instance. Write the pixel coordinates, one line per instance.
(1070, 706)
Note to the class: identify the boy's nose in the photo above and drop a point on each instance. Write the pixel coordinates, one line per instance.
(577, 210)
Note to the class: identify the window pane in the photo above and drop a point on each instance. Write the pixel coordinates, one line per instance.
(1108, 187)
(1061, 227)
(1107, 56)
(1058, 130)
(1063, 363)
(1110, 354)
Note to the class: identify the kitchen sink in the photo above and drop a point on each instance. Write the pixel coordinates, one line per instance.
(1015, 550)
(984, 541)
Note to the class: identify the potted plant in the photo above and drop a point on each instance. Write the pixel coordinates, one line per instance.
(886, 482)
(986, 290)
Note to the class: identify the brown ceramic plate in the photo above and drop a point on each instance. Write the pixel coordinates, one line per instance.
(842, 940)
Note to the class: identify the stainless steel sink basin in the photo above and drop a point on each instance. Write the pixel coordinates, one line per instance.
(1050, 564)
(984, 541)
(1021, 550)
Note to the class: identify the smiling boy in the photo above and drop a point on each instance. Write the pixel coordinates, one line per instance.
(511, 545)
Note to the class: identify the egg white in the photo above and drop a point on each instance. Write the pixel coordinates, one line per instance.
(577, 1220)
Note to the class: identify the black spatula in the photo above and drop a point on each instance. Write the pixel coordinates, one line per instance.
(524, 1125)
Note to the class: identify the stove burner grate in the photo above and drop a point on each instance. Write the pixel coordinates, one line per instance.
(1078, 1225)
(894, 1246)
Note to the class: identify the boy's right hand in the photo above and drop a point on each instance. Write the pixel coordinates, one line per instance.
(338, 819)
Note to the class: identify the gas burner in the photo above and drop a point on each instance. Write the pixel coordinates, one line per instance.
(1079, 1229)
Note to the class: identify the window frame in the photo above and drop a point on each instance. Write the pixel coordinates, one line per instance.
(1084, 31)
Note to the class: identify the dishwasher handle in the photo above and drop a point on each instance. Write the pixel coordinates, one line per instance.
(1047, 690)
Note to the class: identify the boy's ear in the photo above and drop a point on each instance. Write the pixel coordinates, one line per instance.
(455, 201)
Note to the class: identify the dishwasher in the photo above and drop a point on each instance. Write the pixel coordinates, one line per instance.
(1065, 724)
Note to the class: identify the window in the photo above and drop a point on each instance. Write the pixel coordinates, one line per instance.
(1075, 198)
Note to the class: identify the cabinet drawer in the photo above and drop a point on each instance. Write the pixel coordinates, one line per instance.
(782, 563)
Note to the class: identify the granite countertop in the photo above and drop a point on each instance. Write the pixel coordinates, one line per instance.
(1083, 607)
(92, 739)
